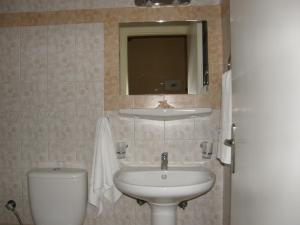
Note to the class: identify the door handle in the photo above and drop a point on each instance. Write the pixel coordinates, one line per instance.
(231, 143)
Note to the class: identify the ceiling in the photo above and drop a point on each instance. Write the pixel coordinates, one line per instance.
(53, 5)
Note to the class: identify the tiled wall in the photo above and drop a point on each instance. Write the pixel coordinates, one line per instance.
(147, 139)
(180, 138)
(111, 19)
(51, 93)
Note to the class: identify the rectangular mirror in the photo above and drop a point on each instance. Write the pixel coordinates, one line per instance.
(163, 57)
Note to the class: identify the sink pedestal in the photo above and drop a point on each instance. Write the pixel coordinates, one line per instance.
(163, 214)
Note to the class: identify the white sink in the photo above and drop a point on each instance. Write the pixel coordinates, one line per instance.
(172, 186)
(163, 190)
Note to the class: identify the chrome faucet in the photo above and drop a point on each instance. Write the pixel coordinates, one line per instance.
(164, 161)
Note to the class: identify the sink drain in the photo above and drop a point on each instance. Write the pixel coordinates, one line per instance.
(164, 176)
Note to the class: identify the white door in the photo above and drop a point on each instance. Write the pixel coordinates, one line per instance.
(266, 110)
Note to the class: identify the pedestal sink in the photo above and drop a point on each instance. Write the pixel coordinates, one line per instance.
(163, 190)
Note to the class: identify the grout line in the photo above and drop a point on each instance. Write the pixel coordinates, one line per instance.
(194, 130)
(20, 47)
(134, 128)
(75, 30)
(47, 88)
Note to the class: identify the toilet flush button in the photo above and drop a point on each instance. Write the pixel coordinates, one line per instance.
(56, 169)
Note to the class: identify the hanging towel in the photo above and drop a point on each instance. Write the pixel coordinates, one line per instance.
(224, 152)
(105, 164)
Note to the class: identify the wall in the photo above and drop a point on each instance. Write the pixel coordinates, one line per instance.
(111, 19)
(181, 139)
(226, 57)
(52, 94)
(212, 14)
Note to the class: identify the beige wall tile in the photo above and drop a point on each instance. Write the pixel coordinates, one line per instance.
(89, 96)
(10, 154)
(86, 126)
(123, 213)
(89, 66)
(33, 53)
(183, 151)
(89, 37)
(10, 126)
(9, 62)
(61, 38)
(26, 212)
(11, 182)
(147, 151)
(181, 101)
(63, 150)
(33, 96)
(62, 125)
(84, 153)
(34, 125)
(142, 214)
(147, 101)
(122, 127)
(10, 96)
(34, 152)
(9, 39)
(180, 129)
(62, 66)
(148, 129)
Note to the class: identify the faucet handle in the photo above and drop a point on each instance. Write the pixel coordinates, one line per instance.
(164, 155)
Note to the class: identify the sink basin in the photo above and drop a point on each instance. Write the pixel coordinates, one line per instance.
(164, 187)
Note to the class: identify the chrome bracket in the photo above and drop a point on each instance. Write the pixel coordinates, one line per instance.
(183, 204)
(140, 202)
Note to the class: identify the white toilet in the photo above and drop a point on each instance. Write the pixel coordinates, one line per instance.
(58, 196)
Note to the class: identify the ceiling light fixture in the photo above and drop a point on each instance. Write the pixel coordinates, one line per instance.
(161, 2)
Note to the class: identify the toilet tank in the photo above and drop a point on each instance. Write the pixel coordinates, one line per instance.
(58, 196)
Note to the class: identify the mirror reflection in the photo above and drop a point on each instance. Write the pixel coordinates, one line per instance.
(163, 57)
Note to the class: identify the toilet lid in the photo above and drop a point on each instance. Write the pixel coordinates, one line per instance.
(56, 173)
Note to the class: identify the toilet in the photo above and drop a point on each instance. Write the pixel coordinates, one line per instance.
(58, 196)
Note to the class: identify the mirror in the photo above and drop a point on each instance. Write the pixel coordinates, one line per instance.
(163, 57)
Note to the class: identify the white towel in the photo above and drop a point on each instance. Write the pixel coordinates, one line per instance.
(105, 164)
(224, 152)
